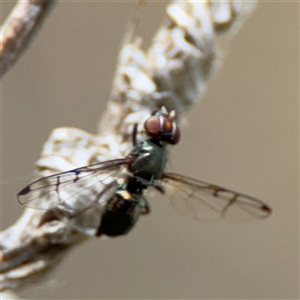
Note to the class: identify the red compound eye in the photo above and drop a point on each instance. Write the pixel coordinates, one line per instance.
(153, 126)
(175, 135)
(161, 126)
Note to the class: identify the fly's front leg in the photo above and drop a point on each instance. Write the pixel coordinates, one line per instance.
(134, 134)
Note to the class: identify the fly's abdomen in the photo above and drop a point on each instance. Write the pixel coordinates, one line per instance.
(119, 216)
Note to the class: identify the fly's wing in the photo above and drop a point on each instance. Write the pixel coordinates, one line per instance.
(75, 194)
(201, 200)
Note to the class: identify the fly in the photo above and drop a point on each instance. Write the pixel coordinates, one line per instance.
(121, 184)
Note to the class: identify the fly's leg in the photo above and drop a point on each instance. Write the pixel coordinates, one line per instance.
(134, 134)
(145, 207)
(159, 187)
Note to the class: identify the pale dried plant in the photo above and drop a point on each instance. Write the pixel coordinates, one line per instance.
(173, 72)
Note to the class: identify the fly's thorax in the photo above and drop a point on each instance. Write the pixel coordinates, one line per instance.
(150, 160)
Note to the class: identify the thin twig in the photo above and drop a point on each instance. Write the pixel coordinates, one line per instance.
(173, 72)
(19, 29)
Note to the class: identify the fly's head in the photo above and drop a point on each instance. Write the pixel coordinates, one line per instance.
(161, 127)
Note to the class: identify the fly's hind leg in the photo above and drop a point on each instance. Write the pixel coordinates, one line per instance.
(159, 187)
(145, 207)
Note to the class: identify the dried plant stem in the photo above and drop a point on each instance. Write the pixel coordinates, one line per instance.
(173, 72)
(19, 29)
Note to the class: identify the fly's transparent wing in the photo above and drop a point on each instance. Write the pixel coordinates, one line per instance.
(201, 200)
(34, 194)
(75, 194)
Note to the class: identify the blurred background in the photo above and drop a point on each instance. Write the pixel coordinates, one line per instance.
(244, 136)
